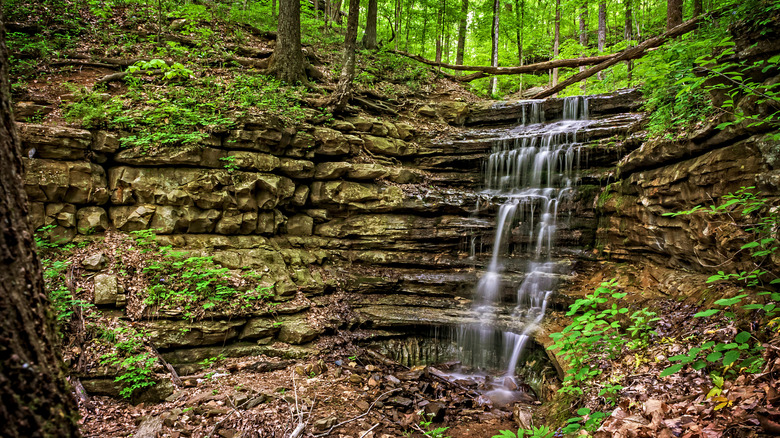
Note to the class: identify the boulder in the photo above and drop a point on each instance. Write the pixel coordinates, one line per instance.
(296, 329)
(74, 182)
(258, 328)
(343, 126)
(388, 146)
(361, 124)
(63, 215)
(95, 262)
(54, 142)
(92, 220)
(300, 196)
(427, 111)
(297, 168)
(300, 225)
(331, 142)
(180, 333)
(332, 170)
(453, 112)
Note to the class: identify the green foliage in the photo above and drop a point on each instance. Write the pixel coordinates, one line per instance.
(210, 361)
(230, 163)
(193, 284)
(433, 432)
(135, 364)
(62, 301)
(534, 432)
(91, 108)
(743, 353)
(170, 72)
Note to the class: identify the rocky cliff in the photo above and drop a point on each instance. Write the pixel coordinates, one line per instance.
(380, 215)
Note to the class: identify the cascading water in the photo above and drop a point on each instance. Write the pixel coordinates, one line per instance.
(532, 172)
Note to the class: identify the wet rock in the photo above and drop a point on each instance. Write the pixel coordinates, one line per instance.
(389, 146)
(106, 290)
(95, 262)
(453, 112)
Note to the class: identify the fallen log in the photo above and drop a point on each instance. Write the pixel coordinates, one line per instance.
(485, 71)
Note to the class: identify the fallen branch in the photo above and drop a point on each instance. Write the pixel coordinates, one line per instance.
(174, 375)
(369, 430)
(625, 55)
(485, 71)
(82, 63)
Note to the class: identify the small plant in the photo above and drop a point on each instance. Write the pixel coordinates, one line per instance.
(208, 362)
(133, 361)
(230, 163)
(437, 432)
(170, 72)
(534, 432)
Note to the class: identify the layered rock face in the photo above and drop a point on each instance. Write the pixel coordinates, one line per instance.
(366, 212)
(665, 176)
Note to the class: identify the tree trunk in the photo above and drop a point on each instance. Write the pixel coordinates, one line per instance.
(698, 7)
(425, 28)
(369, 36)
(440, 29)
(520, 16)
(409, 9)
(674, 10)
(602, 31)
(344, 88)
(397, 24)
(36, 401)
(447, 43)
(627, 37)
(287, 62)
(336, 11)
(584, 36)
(557, 40)
(494, 49)
(464, 15)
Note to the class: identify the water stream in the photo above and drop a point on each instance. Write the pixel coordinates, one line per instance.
(531, 172)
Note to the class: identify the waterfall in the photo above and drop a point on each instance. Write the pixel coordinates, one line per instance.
(532, 172)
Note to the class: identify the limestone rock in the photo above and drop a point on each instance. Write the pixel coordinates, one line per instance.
(331, 142)
(92, 220)
(106, 290)
(332, 170)
(343, 126)
(297, 168)
(453, 112)
(27, 111)
(54, 142)
(300, 196)
(390, 147)
(427, 110)
(296, 329)
(361, 124)
(300, 225)
(405, 130)
(258, 328)
(63, 215)
(96, 262)
(132, 218)
(180, 333)
(74, 182)
(369, 171)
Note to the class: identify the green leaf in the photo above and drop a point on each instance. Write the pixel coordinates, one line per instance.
(714, 356)
(583, 411)
(730, 301)
(750, 245)
(730, 357)
(742, 337)
(699, 364)
(671, 370)
(706, 313)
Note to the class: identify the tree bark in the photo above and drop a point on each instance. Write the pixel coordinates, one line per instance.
(35, 399)
(369, 36)
(520, 16)
(409, 9)
(557, 40)
(425, 27)
(584, 36)
(494, 47)
(627, 36)
(440, 29)
(602, 30)
(698, 7)
(464, 15)
(344, 88)
(631, 53)
(674, 10)
(287, 62)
